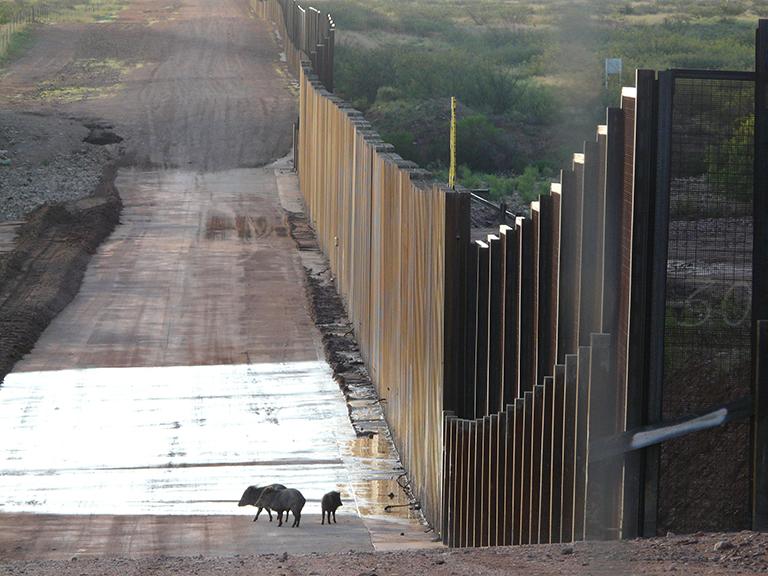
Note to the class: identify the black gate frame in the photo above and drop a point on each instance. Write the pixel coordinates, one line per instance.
(648, 509)
(760, 287)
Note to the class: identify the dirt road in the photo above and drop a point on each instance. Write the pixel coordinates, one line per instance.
(190, 84)
(201, 270)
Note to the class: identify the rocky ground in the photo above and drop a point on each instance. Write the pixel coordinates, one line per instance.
(48, 161)
(62, 187)
(702, 555)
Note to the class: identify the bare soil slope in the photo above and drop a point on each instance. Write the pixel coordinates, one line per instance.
(41, 276)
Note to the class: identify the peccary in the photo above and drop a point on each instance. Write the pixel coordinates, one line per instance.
(282, 501)
(252, 495)
(330, 504)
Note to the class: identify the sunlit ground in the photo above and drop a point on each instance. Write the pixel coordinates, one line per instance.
(179, 440)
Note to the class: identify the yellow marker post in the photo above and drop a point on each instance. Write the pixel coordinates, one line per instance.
(452, 169)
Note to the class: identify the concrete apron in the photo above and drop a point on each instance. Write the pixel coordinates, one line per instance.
(195, 371)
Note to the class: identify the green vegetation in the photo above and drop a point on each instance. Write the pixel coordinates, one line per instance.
(528, 74)
(728, 163)
(17, 15)
(525, 188)
(80, 10)
(86, 79)
(18, 43)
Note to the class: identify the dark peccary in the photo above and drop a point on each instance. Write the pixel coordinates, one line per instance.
(330, 504)
(282, 501)
(252, 495)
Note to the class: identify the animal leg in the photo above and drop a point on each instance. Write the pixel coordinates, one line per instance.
(334, 518)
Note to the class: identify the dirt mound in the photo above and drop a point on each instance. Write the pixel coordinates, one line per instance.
(42, 274)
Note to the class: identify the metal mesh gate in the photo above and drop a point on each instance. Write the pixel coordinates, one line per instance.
(704, 478)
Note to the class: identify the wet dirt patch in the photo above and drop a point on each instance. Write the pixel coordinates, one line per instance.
(339, 343)
(217, 225)
(388, 498)
(243, 227)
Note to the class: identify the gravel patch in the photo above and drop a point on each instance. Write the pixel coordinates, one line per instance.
(49, 162)
(745, 555)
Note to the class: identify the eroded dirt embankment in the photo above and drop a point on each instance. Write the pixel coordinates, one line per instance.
(43, 272)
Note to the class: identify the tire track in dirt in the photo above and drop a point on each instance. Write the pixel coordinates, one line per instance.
(191, 85)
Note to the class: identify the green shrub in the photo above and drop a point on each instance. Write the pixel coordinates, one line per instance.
(730, 163)
(480, 144)
(405, 144)
(421, 74)
(682, 43)
(359, 73)
(532, 183)
(353, 16)
(388, 94)
(499, 186)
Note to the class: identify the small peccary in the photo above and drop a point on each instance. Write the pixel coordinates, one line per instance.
(330, 504)
(252, 495)
(282, 501)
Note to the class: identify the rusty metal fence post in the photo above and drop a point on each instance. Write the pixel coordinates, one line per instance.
(518, 472)
(569, 448)
(558, 414)
(450, 474)
(537, 425)
(582, 424)
(602, 520)
(545, 498)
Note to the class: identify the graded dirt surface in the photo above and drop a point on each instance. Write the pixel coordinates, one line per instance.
(201, 270)
(64, 537)
(194, 84)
